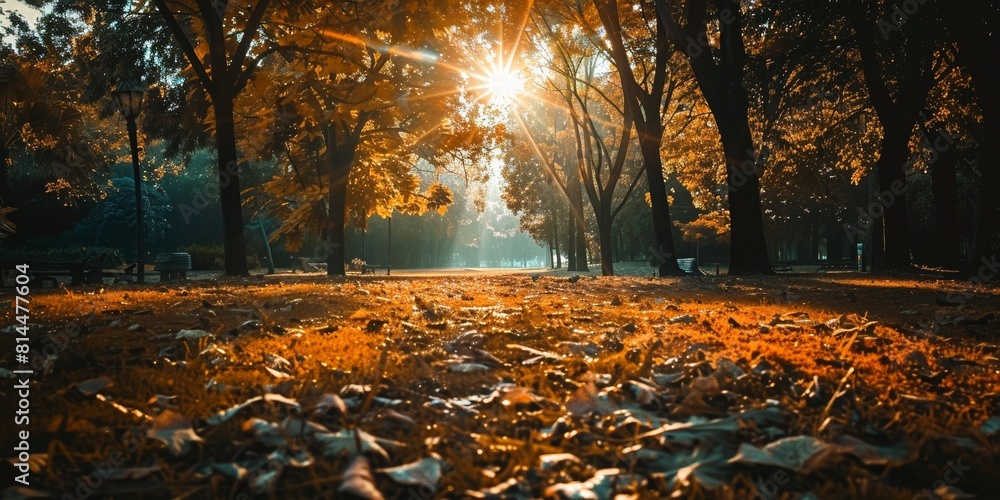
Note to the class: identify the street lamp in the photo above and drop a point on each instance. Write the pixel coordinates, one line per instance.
(388, 264)
(128, 97)
(7, 76)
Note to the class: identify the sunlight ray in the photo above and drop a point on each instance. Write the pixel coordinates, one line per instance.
(520, 33)
(541, 157)
(414, 54)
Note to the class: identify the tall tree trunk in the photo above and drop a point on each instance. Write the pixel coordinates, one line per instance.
(894, 153)
(644, 107)
(944, 187)
(987, 228)
(570, 241)
(6, 190)
(720, 77)
(341, 158)
(229, 186)
(335, 240)
(582, 262)
(878, 245)
(813, 245)
(664, 255)
(552, 258)
(748, 249)
(555, 230)
(977, 52)
(604, 233)
(898, 106)
(578, 239)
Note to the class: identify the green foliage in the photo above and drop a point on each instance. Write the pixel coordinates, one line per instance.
(205, 257)
(212, 257)
(107, 258)
(113, 220)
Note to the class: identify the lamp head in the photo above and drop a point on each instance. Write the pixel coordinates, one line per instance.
(128, 98)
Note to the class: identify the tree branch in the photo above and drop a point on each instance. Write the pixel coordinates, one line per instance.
(249, 33)
(186, 47)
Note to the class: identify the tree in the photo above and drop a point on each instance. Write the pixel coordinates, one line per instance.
(972, 26)
(901, 64)
(112, 222)
(366, 95)
(223, 43)
(647, 97)
(719, 72)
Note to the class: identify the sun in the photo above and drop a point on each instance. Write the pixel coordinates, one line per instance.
(503, 85)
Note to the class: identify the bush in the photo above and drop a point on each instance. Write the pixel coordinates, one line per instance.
(213, 257)
(205, 257)
(107, 258)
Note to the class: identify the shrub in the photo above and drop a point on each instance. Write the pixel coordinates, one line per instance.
(213, 257)
(205, 257)
(107, 258)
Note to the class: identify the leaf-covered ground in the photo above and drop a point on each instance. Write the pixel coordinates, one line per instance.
(835, 386)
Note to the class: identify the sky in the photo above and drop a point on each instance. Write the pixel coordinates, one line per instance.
(29, 13)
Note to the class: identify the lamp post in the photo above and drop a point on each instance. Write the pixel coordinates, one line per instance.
(388, 264)
(7, 76)
(128, 97)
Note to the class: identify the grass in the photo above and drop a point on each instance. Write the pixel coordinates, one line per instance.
(392, 335)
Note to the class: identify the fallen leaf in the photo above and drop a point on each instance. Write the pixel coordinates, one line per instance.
(468, 367)
(587, 400)
(330, 400)
(537, 355)
(424, 473)
(358, 480)
(550, 461)
(990, 427)
(192, 334)
(276, 373)
(94, 385)
(601, 486)
(174, 430)
(346, 442)
(227, 414)
(797, 453)
(871, 454)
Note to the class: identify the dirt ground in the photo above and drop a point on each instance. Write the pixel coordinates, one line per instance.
(511, 386)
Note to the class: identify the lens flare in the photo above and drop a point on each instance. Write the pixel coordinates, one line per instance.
(503, 86)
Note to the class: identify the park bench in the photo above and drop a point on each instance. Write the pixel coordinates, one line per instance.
(172, 266)
(836, 265)
(782, 267)
(370, 268)
(79, 273)
(309, 266)
(718, 265)
(127, 274)
(690, 267)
